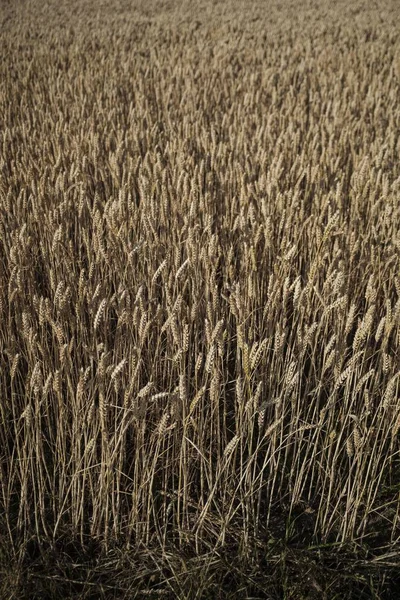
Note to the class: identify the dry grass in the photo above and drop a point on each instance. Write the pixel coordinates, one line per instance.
(199, 299)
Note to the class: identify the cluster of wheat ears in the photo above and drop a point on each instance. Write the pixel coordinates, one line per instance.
(199, 273)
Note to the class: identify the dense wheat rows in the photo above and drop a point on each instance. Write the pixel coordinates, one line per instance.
(199, 299)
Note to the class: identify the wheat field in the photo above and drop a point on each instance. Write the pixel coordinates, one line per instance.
(200, 299)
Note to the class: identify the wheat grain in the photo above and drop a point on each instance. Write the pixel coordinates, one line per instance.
(231, 446)
(99, 313)
(390, 392)
(144, 391)
(117, 370)
(209, 365)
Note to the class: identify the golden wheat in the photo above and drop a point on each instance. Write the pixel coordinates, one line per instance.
(199, 290)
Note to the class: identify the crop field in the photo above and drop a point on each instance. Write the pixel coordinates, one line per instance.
(200, 300)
